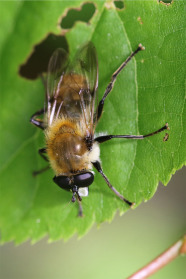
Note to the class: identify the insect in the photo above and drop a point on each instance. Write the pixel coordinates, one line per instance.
(69, 120)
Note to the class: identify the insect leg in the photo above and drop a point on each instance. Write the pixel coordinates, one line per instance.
(113, 79)
(35, 173)
(80, 212)
(97, 165)
(41, 151)
(37, 122)
(76, 196)
(109, 137)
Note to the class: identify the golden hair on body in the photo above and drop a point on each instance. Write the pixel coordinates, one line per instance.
(67, 149)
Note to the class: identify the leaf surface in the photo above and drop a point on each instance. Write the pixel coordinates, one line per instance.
(148, 93)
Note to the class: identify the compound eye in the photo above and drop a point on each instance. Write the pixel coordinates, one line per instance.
(83, 179)
(63, 182)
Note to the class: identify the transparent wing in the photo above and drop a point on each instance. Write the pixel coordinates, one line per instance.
(72, 92)
(56, 69)
(86, 66)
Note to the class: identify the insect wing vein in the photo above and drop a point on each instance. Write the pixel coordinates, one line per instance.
(71, 87)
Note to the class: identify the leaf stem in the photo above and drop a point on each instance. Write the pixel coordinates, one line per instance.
(163, 259)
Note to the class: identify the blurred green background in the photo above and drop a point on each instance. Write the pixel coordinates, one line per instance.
(114, 250)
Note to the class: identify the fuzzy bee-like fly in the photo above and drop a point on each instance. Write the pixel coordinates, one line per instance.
(70, 116)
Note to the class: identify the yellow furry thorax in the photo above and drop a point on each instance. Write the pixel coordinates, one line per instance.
(66, 147)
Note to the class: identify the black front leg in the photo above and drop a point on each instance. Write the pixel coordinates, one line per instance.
(97, 165)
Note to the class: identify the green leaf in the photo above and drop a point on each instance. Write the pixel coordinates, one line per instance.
(148, 93)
